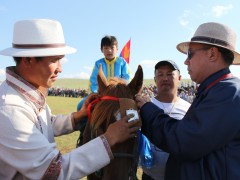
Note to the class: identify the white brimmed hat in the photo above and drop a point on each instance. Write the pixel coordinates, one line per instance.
(214, 34)
(37, 38)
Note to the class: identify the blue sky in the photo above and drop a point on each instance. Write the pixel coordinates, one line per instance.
(155, 28)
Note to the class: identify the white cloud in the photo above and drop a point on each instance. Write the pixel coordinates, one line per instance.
(81, 75)
(183, 19)
(218, 10)
(64, 60)
(183, 22)
(148, 63)
(88, 68)
(84, 75)
(2, 72)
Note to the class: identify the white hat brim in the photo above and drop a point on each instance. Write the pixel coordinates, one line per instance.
(38, 52)
(184, 46)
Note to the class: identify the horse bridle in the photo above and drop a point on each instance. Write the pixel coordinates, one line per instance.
(132, 174)
(98, 100)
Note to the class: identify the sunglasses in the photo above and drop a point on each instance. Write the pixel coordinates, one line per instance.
(190, 53)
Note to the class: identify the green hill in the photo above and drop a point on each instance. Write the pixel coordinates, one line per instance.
(84, 83)
(72, 83)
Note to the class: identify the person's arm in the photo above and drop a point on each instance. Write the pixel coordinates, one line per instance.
(25, 149)
(206, 127)
(93, 85)
(82, 113)
(125, 70)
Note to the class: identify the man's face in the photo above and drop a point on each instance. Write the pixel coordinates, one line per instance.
(197, 62)
(109, 52)
(44, 72)
(167, 79)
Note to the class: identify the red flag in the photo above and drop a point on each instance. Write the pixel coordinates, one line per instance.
(125, 53)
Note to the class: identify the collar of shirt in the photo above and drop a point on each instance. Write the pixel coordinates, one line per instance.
(203, 86)
(25, 88)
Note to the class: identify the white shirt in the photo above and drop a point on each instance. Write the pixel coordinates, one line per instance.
(27, 147)
(176, 110)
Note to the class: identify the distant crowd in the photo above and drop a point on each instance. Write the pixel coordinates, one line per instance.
(66, 92)
(186, 91)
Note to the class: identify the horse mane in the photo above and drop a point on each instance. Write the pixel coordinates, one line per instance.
(117, 88)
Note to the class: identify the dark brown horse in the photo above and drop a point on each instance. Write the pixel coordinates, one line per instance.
(116, 96)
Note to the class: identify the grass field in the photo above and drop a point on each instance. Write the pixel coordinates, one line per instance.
(72, 83)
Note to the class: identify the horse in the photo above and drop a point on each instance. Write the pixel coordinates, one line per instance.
(116, 98)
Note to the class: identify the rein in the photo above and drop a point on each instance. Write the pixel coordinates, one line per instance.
(98, 100)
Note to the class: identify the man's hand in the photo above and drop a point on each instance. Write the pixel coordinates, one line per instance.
(78, 116)
(141, 100)
(122, 130)
(89, 99)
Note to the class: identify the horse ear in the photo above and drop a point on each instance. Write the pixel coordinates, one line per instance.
(136, 83)
(102, 80)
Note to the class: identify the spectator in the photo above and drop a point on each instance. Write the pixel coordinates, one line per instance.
(167, 78)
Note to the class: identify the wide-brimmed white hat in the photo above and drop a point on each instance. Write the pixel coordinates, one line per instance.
(36, 38)
(214, 34)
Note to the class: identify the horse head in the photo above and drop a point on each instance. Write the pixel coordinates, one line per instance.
(116, 99)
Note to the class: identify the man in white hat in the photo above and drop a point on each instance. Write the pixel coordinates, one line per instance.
(28, 128)
(205, 144)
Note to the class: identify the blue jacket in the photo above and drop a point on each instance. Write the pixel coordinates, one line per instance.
(116, 68)
(205, 145)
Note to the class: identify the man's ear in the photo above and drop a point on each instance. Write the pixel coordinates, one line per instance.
(180, 77)
(213, 54)
(27, 61)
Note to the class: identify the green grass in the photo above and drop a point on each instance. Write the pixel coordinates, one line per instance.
(62, 105)
(72, 83)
